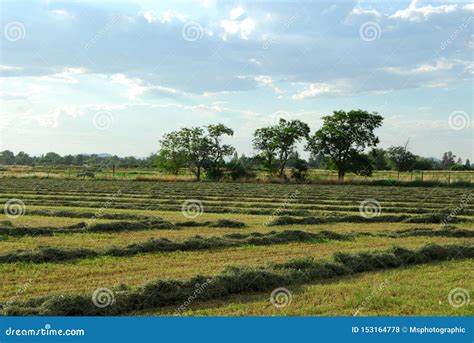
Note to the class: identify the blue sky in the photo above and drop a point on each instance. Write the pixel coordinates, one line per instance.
(105, 76)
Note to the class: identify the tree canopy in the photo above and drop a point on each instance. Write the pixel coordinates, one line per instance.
(343, 138)
(276, 143)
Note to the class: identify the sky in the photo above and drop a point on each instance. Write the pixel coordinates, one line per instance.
(114, 76)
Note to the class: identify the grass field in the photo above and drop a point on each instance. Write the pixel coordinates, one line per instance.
(145, 246)
(314, 175)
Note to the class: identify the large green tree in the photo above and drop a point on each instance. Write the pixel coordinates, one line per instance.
(401, 159)
(197, 149)
(277, 142)
(343, 138)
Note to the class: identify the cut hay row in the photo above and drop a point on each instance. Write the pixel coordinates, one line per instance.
(6, 227)
(234, 280)
(198, 243)
(219, 207)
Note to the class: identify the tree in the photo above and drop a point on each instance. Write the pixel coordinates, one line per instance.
(401, 159)
(448, 160)
(22, 158)
(217, 150)
(51, 158)
(317, 161)
(343, 138)
(277, 142)
(198, 148)
(170, 161)
(7, 157)
(300, 167)
(467, 164)
(240, 167)
(378, 159)
(423, 163)
(265, 141)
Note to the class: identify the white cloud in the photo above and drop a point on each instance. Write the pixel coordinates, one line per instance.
(64, 76)
(208, 3)
(150, 16)
(418, 14)
(263, 80)
(316, 89)
(237, 24)
(439, 65)
(357, 11)
(9, 68)
(236, 13)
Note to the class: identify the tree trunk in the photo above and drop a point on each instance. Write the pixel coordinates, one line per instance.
(340, 175)
(198, 173)
(282, 170)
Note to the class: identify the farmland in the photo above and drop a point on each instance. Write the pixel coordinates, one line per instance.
(208, 248)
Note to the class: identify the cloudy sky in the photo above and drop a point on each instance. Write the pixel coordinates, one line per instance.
(113, 76)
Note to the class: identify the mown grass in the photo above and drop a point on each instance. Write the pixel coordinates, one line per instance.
(238, 280)
(44, 200)
(410, 291)
(84, 275)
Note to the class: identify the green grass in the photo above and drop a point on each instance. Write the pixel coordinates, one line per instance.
(69, 202)
(411, 291)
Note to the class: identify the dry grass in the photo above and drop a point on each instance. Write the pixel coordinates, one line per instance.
(86, 275)
(413, 291)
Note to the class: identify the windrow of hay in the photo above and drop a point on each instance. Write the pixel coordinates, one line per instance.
(196, 243)
(154, 223)
(234, 280)
(49, 254)
(435, 218)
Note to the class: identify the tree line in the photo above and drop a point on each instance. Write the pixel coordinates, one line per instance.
(346, 142)
(7, 157)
